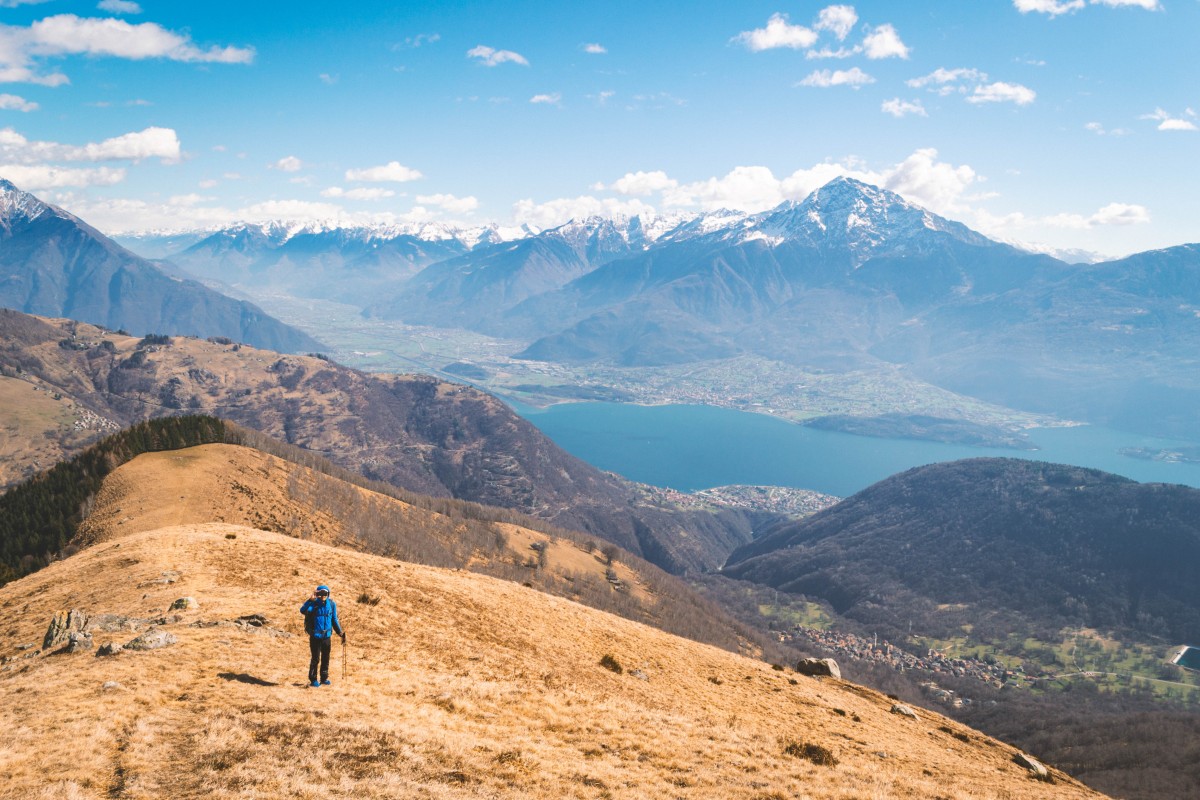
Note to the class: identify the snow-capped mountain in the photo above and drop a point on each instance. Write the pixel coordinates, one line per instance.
(54, 264)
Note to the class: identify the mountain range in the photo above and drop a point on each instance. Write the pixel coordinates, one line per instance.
(53, 263)
(853, 277)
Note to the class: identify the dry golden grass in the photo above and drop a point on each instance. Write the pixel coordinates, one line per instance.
(459, 686)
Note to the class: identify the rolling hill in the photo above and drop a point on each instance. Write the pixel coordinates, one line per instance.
(456, 685)
(996, 545)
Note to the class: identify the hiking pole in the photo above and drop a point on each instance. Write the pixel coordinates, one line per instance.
(343, 658)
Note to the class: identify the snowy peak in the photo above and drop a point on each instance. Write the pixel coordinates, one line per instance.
(17, 206)
(847, 214)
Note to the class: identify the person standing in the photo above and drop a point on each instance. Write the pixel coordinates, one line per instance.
(320, 623)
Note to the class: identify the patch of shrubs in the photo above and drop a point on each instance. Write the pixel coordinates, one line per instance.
(368, 600)
(610, 663)
(821, 756)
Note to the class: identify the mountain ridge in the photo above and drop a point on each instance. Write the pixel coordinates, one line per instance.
(58, 265)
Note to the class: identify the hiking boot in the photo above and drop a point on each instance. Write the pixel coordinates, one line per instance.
(314, 684)
(326, 682)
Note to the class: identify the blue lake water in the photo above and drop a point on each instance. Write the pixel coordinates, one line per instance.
(697, 447)
(1190, 659)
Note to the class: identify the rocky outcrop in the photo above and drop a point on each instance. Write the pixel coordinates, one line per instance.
(1032, 764)
(152, 640)
(63, 624)
(904, 711)
(819, 667)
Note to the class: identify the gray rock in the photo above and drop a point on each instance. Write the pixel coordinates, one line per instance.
(641, 676)
(78, 642)
(29, 646)
(184, 603)
(1032, 764)
(108, 649)
(62, 626)
(152, 640)
(113, 623)
(112, 686)
(904, 711)
(818, 667)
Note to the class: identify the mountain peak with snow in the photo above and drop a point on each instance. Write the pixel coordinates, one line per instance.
(18, 206)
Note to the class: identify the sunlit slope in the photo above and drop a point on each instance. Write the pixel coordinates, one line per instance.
(459, 685)
(243, 486)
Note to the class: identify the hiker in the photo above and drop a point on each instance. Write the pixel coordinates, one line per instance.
(320, 623)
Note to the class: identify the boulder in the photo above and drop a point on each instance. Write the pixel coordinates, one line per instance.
(62, 626)
(1032, 764)
(78, 642)
(108, 649)
(152, 640)
(904, 711)
(818, 667)
(184, 603)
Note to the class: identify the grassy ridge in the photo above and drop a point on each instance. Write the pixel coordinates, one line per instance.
(39, 517)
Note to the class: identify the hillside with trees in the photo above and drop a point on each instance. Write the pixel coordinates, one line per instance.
(996, 544)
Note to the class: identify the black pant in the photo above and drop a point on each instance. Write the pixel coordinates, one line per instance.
(320, 653)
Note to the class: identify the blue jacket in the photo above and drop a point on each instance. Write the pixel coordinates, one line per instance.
(321, 618)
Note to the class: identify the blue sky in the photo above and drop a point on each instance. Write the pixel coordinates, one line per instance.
(1071, 123)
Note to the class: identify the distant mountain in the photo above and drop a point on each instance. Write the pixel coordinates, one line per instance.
(478, 289)
(816, 282)
(414, 432)
(54, 264)
(983, 540)
(348, 264)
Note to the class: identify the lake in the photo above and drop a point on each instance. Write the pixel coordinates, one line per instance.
(698, 447)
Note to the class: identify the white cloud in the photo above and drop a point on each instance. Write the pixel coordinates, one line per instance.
(743, 189)
(67, 34)
(824, 78)
(1099, 129)
(1056, 7)
(1111, 214)
(450, 203)
(921, 178)
(327, 79)
(557, 212)
(288, 164)
(884, 42)
(643, 183)
(777, 33)
(359, 193)
(825, 52)
(595, 49)
(208, 183)
(392, 171)
(839, 20)
(491, 57)
(12, 102)
(35, 177)
(941, 77)
(1001, 92)
(413, 42)
(1167, 122)
(1051, 7)
(552, 99)
(902, 108)
(119, 6)
(150, 143)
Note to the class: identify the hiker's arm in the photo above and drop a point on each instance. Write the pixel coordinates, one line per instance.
(337, 624)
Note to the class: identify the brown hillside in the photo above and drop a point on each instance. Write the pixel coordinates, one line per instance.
(459, 685)
(411, 431)
(243, 486)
